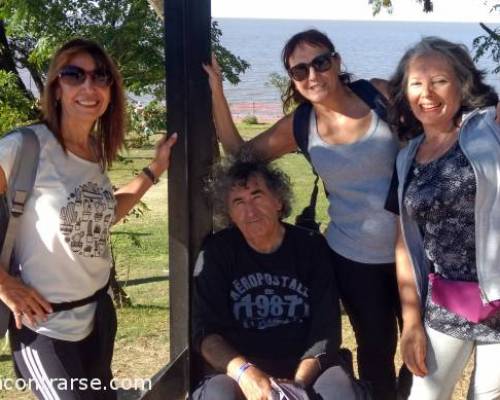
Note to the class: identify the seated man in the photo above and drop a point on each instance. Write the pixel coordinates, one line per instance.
(265, 301)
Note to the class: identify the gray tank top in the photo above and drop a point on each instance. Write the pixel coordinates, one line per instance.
(357, 177)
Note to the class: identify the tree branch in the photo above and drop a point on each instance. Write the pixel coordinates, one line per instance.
(491, 32)
(7, 62)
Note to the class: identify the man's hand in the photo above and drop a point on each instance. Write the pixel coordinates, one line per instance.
(255, 384)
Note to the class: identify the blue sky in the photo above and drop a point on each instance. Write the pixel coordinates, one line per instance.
(406, 10)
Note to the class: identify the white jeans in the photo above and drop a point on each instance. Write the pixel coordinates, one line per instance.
(446, 359)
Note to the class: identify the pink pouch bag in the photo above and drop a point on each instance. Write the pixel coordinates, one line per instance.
(462, 298)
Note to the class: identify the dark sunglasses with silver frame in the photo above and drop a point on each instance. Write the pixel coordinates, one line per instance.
(321, 63)
(75, 76)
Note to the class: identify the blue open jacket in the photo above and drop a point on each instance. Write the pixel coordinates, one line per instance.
(479, 139)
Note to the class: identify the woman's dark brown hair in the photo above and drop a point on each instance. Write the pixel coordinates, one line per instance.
(314, 38)
(109, 129)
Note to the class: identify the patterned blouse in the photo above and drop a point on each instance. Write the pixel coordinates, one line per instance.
(440, 197)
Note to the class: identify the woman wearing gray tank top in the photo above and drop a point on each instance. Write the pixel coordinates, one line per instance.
(354, 152)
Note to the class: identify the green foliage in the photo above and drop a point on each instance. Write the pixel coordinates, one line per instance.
(231, 65)
(377, 5)
(137, 212)
(15, 108)
(128, 29)
(281, 83)
(489, 44)
(145, 121)
(155, 117)
(250, 120)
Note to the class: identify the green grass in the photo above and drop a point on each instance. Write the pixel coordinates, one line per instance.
(142, 343)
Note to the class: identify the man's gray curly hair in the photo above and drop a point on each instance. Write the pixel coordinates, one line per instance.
(237, 171)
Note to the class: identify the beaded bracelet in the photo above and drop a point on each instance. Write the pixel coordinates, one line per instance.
(241, 370)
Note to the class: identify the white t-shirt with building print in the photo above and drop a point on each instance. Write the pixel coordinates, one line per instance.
(62, 242)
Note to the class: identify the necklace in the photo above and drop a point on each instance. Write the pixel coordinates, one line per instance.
(431, 151)
(89, 153)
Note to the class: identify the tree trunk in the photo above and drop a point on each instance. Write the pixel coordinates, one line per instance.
(157, 5)
(7, 62)
(35, 75)
(121, 298)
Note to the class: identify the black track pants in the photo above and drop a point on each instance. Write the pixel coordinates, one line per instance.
(370, 297)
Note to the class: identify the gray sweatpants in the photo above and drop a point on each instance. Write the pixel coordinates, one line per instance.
(446, 360)
(332, 384)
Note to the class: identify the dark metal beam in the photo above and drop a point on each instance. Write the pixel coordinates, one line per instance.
(187, 27)
(170, 382)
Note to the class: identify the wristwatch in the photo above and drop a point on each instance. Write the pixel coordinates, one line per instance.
(147, 171)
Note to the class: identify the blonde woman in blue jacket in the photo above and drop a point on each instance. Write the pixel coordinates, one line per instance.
(449, 206)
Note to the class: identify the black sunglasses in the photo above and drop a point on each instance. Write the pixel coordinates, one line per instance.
(74, 76)
(321, 63)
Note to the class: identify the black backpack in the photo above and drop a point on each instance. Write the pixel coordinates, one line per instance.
(366, 92)
(12, 204)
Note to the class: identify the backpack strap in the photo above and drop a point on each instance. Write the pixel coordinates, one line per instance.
(307, 218)
(371, 96)
(301, 118)
(20, 187)
(21, 183)
(25, 170)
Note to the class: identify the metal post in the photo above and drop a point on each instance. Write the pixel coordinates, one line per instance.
(187, 27)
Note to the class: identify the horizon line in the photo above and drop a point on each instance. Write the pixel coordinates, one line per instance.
(383, 19)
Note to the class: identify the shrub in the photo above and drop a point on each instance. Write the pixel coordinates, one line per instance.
(15, 108)
(145, 121)
(281, 82)
(250, 120)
